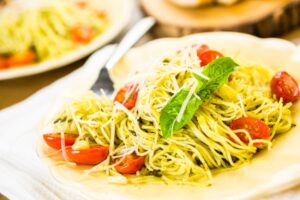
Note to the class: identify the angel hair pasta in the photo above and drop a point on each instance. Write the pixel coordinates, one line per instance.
(180, 123)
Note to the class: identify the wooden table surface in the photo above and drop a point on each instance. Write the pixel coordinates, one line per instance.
(16, 90)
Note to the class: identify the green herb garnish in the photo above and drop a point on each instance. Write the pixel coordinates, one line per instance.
(218, 72)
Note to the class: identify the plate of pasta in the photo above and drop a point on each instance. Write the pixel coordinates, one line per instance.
(38, 36)
(198, 117)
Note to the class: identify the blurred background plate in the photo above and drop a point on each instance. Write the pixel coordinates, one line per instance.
(119, 15)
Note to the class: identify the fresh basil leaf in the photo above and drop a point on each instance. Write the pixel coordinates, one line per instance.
(218, 72)
(169, 113)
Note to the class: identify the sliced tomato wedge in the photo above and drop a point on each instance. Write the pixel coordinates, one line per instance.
(54, 140)
(82, 33)
(255, 127)
(284, 86)
(127, 95)
(131, 164)
(3, 62)
(91, 156)
(202, 49)
(208, 56)
(22, 58)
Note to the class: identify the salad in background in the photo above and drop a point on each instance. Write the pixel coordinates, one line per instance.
(35, 31)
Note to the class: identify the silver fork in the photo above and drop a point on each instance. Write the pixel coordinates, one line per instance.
(104, 81)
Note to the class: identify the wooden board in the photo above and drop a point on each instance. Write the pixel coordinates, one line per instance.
(263, 18)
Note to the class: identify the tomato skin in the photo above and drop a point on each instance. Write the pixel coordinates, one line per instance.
(208, 56)
(256, 128)
(131, 100)
(3, 62)
(131, 164)
(284, 86)
(22, 58)
(54, 140)
(82, 33)
(91, 156)
(202, 49)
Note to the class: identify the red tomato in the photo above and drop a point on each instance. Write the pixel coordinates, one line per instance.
(285, 86)
(129, 103)
(82, 33)
(256, 128)
(91, 156)
(208, 56)
(54, 140)
(131, 164)
(3, 62)
(202, 49)
(22, 58)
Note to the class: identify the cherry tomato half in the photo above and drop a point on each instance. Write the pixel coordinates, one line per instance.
(91, 156)
(22, 58)
(202, 49)
(285, 86)
(208, 56)
(255, 127)
(54, 140)
(131, 164)
(131, 98)
(3, 62)
(82, 33)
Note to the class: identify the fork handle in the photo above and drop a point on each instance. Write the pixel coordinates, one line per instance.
(135, 33)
